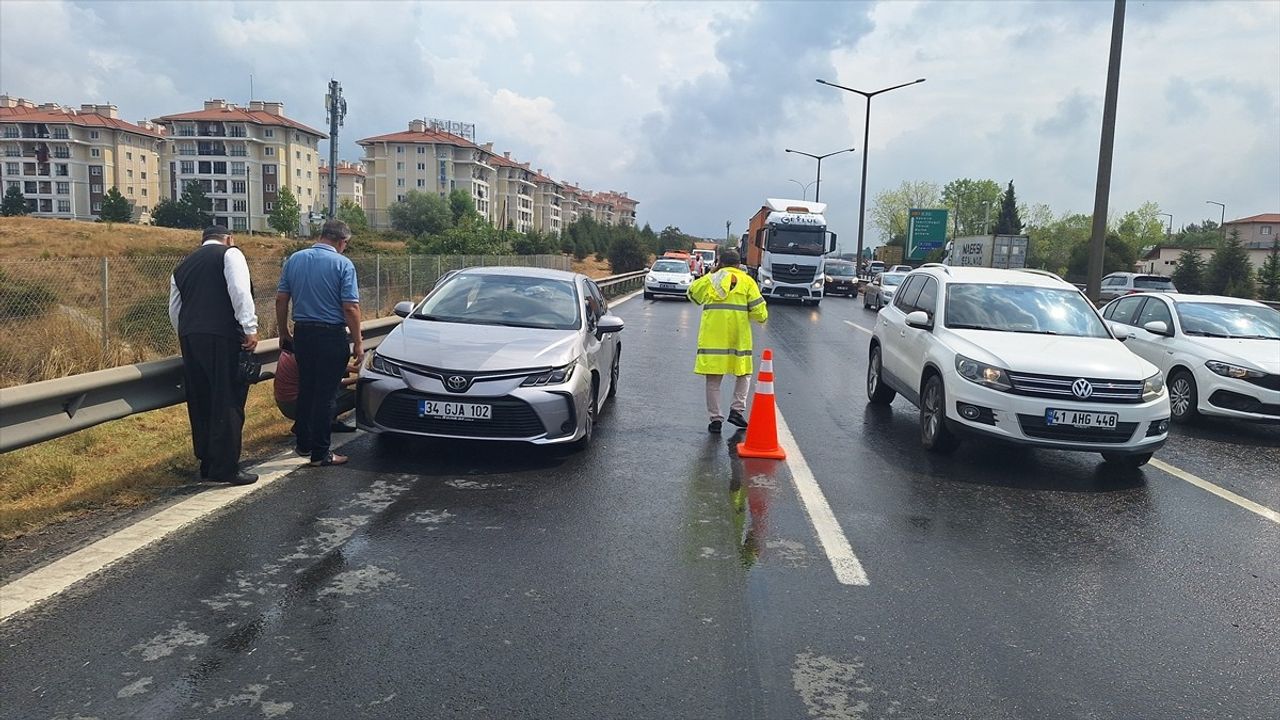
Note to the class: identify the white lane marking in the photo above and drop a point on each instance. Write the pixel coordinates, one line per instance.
(625, 298)
(42, 584)
(857, 327)
(1221, 492)
(845, 564)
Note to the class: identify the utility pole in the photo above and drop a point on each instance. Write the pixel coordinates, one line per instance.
(727, 234)
(336, 107)
(1097, 241)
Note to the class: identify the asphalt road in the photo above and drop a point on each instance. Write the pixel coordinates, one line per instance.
(659, 576)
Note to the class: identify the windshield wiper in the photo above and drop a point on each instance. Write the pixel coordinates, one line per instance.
(1036, 332)
(963, 326)
(1202, 333)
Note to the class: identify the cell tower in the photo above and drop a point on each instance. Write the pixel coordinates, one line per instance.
(336, 110)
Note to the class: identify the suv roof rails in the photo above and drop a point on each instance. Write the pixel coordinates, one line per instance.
(945, 268)
(1037, 271)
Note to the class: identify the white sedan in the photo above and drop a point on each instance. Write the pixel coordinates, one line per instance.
(1220, 355)
(670, 277)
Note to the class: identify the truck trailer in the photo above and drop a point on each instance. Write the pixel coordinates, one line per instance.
(785, 249)
(1008, 252)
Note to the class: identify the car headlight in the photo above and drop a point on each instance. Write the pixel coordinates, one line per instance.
(1233, 371)
(1152, 387)
(651, 279)
(982, 373)
(379, 364)
(817, 285)
(767, 282)
(684, 280)
(554, 376)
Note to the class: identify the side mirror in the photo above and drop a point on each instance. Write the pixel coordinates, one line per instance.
(919, 319)
(1158, 327)
(610, 324)
(1121, 332)
(833, 243)
(403, 308)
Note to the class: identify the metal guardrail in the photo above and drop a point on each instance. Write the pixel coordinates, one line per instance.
(34, 413)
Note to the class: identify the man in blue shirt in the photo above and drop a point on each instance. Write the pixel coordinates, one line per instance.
(321, 284)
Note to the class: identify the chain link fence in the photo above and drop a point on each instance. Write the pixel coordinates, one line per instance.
(62, 317)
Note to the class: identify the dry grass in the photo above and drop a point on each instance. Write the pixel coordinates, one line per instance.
(118, 464)
(25, 238)
(591, 267)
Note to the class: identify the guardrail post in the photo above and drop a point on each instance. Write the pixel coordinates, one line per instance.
(377, 270)
(106, 309)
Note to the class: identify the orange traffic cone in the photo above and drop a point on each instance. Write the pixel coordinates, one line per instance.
(762, 427)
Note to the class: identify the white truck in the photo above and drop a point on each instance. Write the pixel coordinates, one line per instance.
(1007, 252)
(785, 249)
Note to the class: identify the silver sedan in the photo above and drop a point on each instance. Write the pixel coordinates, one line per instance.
(879, 292)
(515, 354)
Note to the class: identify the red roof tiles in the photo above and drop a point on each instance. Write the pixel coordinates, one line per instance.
(71, 117)
(239, 114)
(1263, 218)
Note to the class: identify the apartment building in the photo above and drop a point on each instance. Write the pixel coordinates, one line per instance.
(513, 194)
(65, 160)
(548, 195)
(425, 159)
(242, 157)
(570, 207)
(350, 185)
(1256, 231)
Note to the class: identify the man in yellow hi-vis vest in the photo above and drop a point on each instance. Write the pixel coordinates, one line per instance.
(730, 300)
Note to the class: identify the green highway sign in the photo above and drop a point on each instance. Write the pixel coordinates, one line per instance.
(926, 232)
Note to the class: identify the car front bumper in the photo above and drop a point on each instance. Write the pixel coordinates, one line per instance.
(791, 292)
(1235, 398)
(547, 415)
(1141, 428)
(841, 287)
(659, 289)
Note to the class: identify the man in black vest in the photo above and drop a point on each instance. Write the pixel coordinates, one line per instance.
(211, 308)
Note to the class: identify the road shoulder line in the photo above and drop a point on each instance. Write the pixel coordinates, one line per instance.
(1225, 494)
(45, 582)
(856, 326)
(844, 562)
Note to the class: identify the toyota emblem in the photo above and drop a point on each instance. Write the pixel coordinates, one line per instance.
(1082, 389)
(457, 383)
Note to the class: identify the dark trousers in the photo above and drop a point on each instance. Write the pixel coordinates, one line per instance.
(215, 401)
(322, 353)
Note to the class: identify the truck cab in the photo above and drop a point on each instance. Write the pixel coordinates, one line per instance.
(785, 249)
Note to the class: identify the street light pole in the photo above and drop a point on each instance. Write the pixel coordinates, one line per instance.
(1168, 234)
(817, 193)
(1106, 148)
(866, 137)
(804, 189)
(1223, 221)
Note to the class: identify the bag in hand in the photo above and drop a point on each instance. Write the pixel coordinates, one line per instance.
(248, 368)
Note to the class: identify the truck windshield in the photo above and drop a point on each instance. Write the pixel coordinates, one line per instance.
(797, 242)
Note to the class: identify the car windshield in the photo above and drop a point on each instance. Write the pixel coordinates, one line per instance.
(1229, 321)
(1021, 309)
(798, 242)
(671, 266)
(1153, 282)
(892, 279)
(840, 270)
(508, 300)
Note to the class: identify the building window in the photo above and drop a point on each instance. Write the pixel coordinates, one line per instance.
(128, 156)
(219, 168)
(308, 192)
(206, 167)
(297, 173)
(237, 168)
(188, 167)
(297, 154)
(1266, 230)
(399, 198)
(308, 174)
(269, 206)
(97, 206)
(270, 152)
(95, 152)
(268, 169)
(93, 134)
(399, 149)
(64, 188)
(29, 187)
(422, 183)
(422, 150)
(64, 206)
(239, 206)
(61, 152)
(129, 190)
(95, 170)
(399, 182)
(422, 166)
(128, 173)
(269, 187)
(11, 168)
(400, 166)
(144, 192)
(144, 174)
(268, 133)
(308, 157)
(238, 223)
(297, 191)
(237, 187)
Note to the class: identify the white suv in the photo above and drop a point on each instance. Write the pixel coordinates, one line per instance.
(1016, 355)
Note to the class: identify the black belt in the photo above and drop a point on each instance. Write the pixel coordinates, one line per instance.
(308, 323)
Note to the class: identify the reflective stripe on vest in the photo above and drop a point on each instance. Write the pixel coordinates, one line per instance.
(755, 302)
(725, 306)
(715, 351)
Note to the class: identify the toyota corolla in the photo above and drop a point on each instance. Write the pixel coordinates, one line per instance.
(515, 354)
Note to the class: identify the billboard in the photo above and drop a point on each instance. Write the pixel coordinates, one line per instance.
(926, 232)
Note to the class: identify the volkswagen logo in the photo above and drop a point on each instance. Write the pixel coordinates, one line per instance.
(457, 383)
(1082, 389)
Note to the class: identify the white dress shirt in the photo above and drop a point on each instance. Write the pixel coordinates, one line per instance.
(236, 270)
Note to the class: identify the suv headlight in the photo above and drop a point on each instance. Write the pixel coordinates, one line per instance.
(1232, 371)
(982, 373)
(379, 364)
(817, 285)
(1152, 387)
(766, 281)
(650, 278)
(554, 376)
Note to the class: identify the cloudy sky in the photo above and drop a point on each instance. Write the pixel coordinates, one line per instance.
(688, 106)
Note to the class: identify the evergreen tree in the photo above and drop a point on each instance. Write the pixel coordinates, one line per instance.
(1117, 256)
(628, 253)
(461, 205)
(1269, 274)
(421, 214)
(14, 203)
(1188, 274)
(197, 206)
(1230, 272)
(115, 208)
(1009, 223)
(287, 214)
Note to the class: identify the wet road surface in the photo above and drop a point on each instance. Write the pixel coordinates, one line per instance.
(659, 576)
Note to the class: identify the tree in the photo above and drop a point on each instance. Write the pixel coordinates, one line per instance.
(287, 214)
(1052, 246)
(889, 209)
(673, 238)
(115, 208)
(169, 213)
(1009, 223)
(1230, 272)
(1189, 272)
(628, 253)
(421, 214)
(1205, 234)
(14, 203)
(190, 211)
(968, 200)
(461, 205)
(353, 215)
(1269, 274)
(649, 238)
(1142, 228)
(1117, 257)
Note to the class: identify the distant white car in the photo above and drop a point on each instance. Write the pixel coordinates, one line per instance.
(670, 277)
(900, 269)
(1014, 355)
(879, 292)
(1219, 355)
